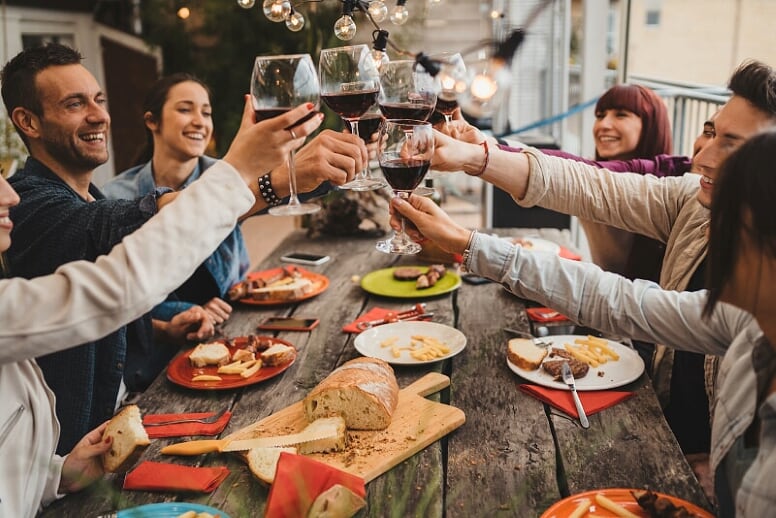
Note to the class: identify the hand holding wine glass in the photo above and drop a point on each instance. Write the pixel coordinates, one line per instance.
(349, 89)
(404, 150)
(278, 84)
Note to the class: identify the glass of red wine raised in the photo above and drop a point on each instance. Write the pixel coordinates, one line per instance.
(278, 84)
(404, 150)
(349, 87)
(452, 79)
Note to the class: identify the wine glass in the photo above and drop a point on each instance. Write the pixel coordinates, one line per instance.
(349, 87)
(406, 91)
(452, 80)
(278, 84)
(404, 150)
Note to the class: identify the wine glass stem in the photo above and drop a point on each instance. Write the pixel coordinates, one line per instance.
(448, 118)
(292, 198)
(354, 128)
(402, 233)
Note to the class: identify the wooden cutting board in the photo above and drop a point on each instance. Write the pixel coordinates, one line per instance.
(416, 423)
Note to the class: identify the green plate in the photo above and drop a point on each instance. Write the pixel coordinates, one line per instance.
(382, 282)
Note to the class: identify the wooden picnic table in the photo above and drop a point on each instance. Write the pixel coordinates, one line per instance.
(514, 456)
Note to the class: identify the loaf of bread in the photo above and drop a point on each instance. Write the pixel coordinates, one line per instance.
(129, 440)
(288, 291)
(211, 353)
(363, 391)
(523, 353)
(263, 462)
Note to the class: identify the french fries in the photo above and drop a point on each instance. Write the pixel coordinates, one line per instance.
(581, 509)
(613, 507)
(592, 350)
(206, 377)
(249, 371)
(245, 369)
(421, 348)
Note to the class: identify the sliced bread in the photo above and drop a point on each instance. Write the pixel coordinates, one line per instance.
(333, 435)
(129, 440)
(211, 353)
(286, 291)
(263, 462)
(363, 391)
(523, 353)
(277, 354)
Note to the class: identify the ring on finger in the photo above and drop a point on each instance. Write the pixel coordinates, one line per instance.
(293, 135)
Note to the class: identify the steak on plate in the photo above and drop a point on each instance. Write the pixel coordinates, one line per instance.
(553, 366)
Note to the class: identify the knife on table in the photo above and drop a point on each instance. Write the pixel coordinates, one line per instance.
(568, 379)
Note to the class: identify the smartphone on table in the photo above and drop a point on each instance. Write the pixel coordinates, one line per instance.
(288, 324)
(305, 258)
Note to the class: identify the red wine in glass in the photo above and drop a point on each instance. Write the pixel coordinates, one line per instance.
(446, 106)
(404, 174)
(368, 125)
(351, 105)
(407, 110)
(268, 113)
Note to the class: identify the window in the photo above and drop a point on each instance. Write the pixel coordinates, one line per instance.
(36, 40)
(653, 18)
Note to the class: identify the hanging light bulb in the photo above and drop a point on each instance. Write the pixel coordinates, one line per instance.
(486, 87)
(295, 21)
(400, 14)
(345, 28)
(277, 10)
(377, 56)
(246, 4)
(377, 10)
(183, 13)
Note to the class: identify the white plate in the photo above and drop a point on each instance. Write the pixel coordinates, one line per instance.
(615, 373)
(535, 243)
(369, 342)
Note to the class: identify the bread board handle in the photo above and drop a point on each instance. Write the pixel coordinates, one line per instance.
(428, 384)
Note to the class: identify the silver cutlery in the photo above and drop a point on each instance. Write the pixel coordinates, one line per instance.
(568, 379)
(538, 342)
(203, 420)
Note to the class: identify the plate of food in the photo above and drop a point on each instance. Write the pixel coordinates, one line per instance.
(172, 510)
(227, 364)
(411, 282)
(536, 244)
(622, 502)
(411, 343)
(597, 364)
(278, 286)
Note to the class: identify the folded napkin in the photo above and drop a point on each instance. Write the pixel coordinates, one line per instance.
(159, 476)
(298, 482)
(544, 315)
(372, 314)
(593, 401)
(568, 254)
(178, 430)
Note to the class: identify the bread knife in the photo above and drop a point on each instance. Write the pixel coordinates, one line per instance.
(221, 445)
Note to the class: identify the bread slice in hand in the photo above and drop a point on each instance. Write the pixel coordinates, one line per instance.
(129, 440)
(523, 353)
(263, 462)
(211, 353)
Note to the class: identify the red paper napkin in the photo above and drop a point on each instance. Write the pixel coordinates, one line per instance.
(543, 315)
(298, 482)
(568, 254)
(178, 430)
(372, 314)
(158, 476)
(593, 401)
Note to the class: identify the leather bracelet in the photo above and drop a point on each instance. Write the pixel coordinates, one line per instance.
(484, 145)
(267, 191)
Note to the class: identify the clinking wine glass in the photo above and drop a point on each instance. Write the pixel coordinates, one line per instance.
(349, 86)
(404, 150)
(452, 82)
(279, 84)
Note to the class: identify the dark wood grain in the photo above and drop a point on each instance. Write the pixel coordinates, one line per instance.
(514, 456)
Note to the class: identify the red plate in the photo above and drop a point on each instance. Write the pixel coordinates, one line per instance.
(320, 283)
(180, 371)
(622, 497)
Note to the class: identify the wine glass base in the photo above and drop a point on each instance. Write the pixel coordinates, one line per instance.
(424, 191)
(364, 184)
(389, 247)
(294, 210)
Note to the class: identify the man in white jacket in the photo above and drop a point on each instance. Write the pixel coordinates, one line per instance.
(83, 301)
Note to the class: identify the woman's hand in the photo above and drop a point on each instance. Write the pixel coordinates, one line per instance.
(260, 147)
(83, 465)
(425, 220)
(218, 309)
(454, 155)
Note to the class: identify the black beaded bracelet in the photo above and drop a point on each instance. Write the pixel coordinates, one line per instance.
(267, 191)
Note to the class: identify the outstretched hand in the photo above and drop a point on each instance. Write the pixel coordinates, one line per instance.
(426, 220)
(331, 155)
(83, 465)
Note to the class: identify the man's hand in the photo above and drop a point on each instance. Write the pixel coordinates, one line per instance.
(333, 156)
(83, 465)
(193, 325)
(425, 220)
(218, 309)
